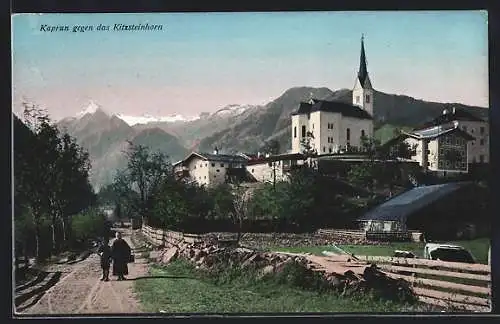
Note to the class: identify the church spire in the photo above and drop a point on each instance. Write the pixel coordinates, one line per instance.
(362, 72)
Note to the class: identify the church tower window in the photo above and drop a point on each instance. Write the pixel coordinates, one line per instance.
(295, 132)
(348, 134)
(303, 131)
(367, 98)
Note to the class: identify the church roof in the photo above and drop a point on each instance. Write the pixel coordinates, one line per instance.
(363, 71)
(347, 110)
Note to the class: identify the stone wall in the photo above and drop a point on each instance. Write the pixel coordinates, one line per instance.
(346, 275)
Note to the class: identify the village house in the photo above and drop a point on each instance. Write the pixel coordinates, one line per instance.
(336, 126)
(442, 148)
(478, 147)
(273, 168)
(211, 169)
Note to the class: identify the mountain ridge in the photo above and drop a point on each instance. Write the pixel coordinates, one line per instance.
(239, 128)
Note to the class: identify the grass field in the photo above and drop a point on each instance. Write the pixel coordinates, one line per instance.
(478, 248)
(179, 288)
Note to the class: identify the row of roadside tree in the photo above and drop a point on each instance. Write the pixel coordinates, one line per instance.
(54, 203)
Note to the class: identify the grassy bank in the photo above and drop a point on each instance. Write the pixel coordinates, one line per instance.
(478, 247)
(179, 287)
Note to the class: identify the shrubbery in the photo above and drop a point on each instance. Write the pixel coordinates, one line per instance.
(88, 224)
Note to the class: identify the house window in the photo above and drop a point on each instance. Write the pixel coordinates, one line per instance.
(213, 164)
(313, 126)
(481, 141)
(348, 134)
(206, 164)
(303, 131)
(253, 170)
(362, 133)
(330, 150)
(367, 98)
(481, 130)
(222, 165)
(204, 177)
(464, 128)
(357, 99)
(324, 149)
(217, 170)
(295, 132)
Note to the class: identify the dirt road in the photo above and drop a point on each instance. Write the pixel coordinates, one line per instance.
(80, 291)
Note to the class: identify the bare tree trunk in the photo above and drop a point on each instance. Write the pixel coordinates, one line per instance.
(37, 241)
(63, 223)
(54, 247)
(26, 259)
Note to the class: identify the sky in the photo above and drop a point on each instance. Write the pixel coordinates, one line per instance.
(201, 62)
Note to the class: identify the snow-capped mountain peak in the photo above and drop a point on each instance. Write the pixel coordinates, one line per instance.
(91, 108)
(233, 109)
(147, 118)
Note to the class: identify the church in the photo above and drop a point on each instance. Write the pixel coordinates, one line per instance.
(333, 126)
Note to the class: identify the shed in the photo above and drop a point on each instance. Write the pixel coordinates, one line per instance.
(436, 210)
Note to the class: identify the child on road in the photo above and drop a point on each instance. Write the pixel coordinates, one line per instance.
(105, 254)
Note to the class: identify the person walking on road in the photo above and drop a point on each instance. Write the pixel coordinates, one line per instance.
(105, 254)
(121, 254)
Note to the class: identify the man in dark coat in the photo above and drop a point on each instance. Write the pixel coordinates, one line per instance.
(121, 253)
(105, 254)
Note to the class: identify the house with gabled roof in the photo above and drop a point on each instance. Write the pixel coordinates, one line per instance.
(478, 148)
(210, 169)
(334, 126)
(440, 148)
(274, 168)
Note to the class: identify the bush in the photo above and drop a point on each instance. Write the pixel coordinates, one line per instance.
(88, 224)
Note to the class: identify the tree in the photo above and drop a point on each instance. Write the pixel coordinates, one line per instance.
(51, 173)
(373, 169)
(145, 172)
(171, 205)
(307, 147)
(222, 201)
(241, 201)
(271, 147)
(73, 192)
(301, 196)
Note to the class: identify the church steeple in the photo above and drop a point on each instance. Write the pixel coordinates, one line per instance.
(363, 71)
(362, 94)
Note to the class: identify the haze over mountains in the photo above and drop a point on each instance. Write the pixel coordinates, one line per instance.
(233, 128)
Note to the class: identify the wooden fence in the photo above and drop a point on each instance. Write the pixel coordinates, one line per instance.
(159, 237)
(461, 286)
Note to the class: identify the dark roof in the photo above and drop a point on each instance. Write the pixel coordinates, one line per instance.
(404, 205)
(454, 114)
(363, 71)
(217, 157)
(279, 157)
(343, 108)
(439, 130)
